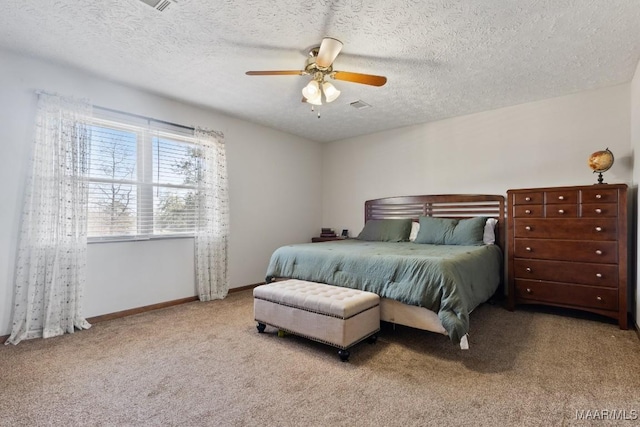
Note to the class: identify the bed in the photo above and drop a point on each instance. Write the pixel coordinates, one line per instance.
(431, 282)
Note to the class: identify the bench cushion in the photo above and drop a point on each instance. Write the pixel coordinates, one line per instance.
(320, 298)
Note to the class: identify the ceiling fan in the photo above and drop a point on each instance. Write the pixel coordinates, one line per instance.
(319, 65)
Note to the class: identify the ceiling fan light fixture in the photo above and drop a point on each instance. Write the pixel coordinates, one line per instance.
(317, 100)
(311, 90)
(312, 93)
(330, 92)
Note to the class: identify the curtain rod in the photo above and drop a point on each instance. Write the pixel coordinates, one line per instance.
(111, 110)
(218, 134)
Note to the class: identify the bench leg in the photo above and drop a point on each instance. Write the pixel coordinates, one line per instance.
(344, 355)
(261, 327)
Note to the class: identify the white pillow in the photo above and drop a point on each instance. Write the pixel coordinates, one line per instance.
(489, 237)
(415, 227)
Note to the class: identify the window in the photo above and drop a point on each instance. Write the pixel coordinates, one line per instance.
(142, 180)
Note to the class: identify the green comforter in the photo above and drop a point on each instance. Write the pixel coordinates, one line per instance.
(449, 280)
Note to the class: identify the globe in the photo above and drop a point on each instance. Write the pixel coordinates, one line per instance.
(601, 161)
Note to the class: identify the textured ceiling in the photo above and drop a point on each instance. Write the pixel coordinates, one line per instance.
(442, 58)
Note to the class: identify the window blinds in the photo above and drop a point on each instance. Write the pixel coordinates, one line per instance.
(142, 178)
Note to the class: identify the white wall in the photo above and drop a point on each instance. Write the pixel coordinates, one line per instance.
(274, 180)
(635, 147)
(545, 143)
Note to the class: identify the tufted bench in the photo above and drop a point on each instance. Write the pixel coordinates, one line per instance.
(340, 317)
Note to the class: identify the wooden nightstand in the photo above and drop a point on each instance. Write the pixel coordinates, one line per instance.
(326, 239)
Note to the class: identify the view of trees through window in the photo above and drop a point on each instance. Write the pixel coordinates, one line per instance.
(141, 183)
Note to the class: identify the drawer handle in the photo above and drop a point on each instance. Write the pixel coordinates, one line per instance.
(598, 196)
(598, 211)
(529, 269)
(528, 249)
(599, 275)
(527, 211)
(528, 228)
(598, 252)
(560, 211)
(528, 290)
(560, 197)
(599, 298)
(527, 199)
(598, 229)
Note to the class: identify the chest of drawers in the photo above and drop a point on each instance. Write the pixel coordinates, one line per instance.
(567, 247)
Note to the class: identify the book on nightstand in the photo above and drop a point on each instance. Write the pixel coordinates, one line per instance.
(327, 232)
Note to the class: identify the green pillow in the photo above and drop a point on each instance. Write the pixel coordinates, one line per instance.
(386, 230)
(449, 231)
(468, 232)
(435, 231)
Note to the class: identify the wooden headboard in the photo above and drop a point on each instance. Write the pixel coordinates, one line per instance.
(442, 205)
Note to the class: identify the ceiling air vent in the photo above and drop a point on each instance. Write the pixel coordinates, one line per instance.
(359, 105)
(160, 5)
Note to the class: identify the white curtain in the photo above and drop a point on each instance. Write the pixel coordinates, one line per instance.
(51, 259)
(212, 213)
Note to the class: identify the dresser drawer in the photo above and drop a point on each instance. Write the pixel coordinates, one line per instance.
(530, 211)
(574, 295)
(604, 252)
(533, 198)
(561, 210)
(594, 195)
(561, 196)
(564, 271)
(572, 229)
(599, 210)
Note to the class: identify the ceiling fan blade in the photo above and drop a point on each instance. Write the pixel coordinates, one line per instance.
(365, 79)
(277, 73)
(329, 49)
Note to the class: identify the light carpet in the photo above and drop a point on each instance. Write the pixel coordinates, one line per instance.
(205, 364)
